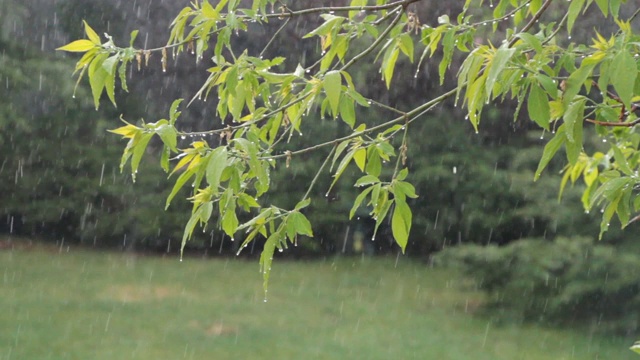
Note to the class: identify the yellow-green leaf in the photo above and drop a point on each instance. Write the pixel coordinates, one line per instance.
(127, 131)
(78, 46)
(360, 157)
(92, 35)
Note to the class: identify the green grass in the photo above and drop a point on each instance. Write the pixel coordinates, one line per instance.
(90, 305)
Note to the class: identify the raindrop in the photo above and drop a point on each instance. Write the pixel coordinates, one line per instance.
(455, 170)
(183, 137)
(604, 140)
(280, 250)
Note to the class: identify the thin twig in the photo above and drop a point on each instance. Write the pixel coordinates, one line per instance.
(616, 124)
(324, 9)
(377, 42)
(315, 178)
(418, 111)
(533, 20)
(274, 36)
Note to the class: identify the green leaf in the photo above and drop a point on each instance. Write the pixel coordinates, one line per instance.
(301, 224)
(624, 75)
(209, 11)
(169, 136)
(406, 188)
(550, 150)
(333, 87)
(402, 174)
(573, 12)
(573, 115)
(266, 257)
(621, 161)
(358, 201)
(216, 165)
(78, 46)
(173, 111)
(138, 151)
(97, 77)
(374, 164)
(109, 66)
(448, 44)
(532, 41)
(356, 3)
(134, 35)
(331, 22)
(347, 111)
(575, 82)
(164, 158)
(342, 166)
(339, 149)
(182, 179)
(303, 204)
(247, 201)
(610, 190)
(389, 64)
(230, 220)
(604, 6)
(188, 229)
(538, 106)
(498, 63)
(406, 45)
(366, 180)
(401, 223)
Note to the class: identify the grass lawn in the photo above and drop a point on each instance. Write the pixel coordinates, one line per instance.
(91, 305)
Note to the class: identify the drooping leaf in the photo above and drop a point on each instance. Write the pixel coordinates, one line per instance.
(624, 76)
(360, 158)
(550, 150)
(216, 165)
(498, 63)
(538, 106)
(401, 223)
(358, 201)
(333, 87)
(301, 224)
(573, 12)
